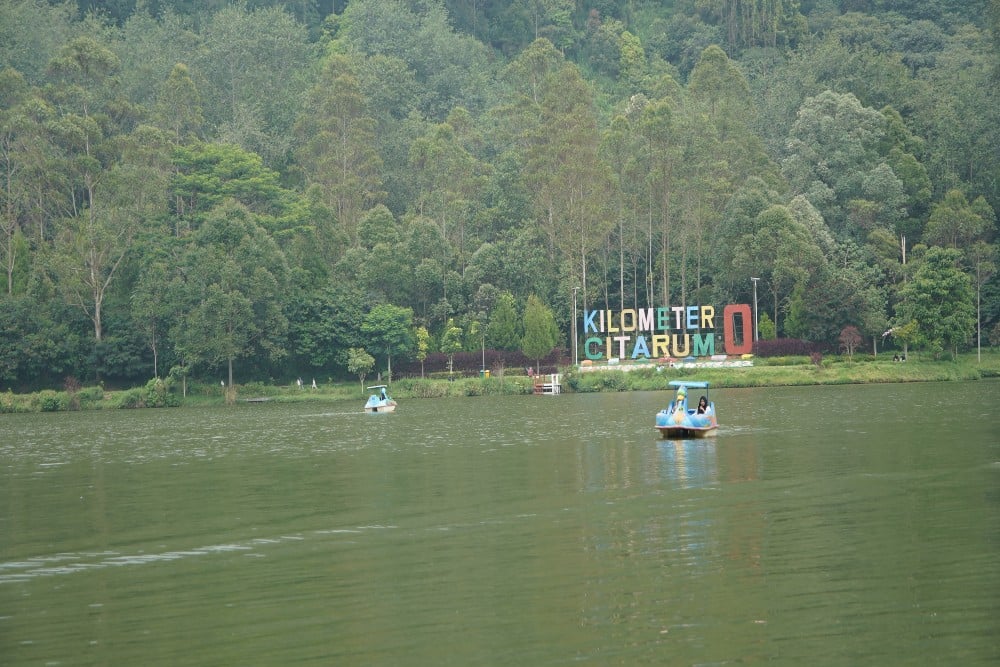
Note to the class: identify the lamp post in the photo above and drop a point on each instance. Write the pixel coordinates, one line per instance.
(576, 359)
(755, 335)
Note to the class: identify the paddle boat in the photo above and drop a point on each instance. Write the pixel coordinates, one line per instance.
(381, 401)
(679, 421)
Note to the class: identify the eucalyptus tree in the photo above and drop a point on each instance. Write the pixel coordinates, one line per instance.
(901, 147)
(251, 69)
(32, 32)
(782, 253)
(548, 19)
(108, 196)
(178, 108)
(982, 260)
(831, 151)
(956, 223)
(449, 180)
(738, 224)
(958, 113)
(660, 150)
(620, 149)
(19, 135)
(151, 47)
(716, 152)
(757, 23)
(336, 144)
(153, 309)
(573, 187)
(448, 68)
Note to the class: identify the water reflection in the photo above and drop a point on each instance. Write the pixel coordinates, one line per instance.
(690, 463)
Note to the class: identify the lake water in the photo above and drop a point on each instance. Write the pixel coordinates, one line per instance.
(850, 525)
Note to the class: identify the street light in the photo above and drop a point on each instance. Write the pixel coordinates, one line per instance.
(755, 335)
(576, 359)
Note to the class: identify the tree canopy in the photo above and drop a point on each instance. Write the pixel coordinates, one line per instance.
(256, 189)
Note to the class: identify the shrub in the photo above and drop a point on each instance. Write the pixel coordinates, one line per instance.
(90, 396)
(131, 398)
(157, 394)
(52, 401)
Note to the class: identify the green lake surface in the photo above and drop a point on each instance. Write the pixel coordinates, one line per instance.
(837, 525)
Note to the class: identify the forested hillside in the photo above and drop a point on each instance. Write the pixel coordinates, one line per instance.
(259, 188)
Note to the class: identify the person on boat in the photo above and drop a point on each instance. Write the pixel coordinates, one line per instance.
(703, 407)
(384, 397)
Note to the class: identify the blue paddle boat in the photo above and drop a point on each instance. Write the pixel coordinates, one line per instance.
(680, 421)
(381, 401)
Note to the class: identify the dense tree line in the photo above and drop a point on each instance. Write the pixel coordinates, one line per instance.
(264, 189)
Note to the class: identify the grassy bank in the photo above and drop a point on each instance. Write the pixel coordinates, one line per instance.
(765, 373)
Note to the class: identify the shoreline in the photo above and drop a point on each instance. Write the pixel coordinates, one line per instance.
(645, 377)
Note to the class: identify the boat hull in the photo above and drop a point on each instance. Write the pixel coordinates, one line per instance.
(388, 406)
(686, 432)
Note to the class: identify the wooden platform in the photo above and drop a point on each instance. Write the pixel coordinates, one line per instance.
(547, 385)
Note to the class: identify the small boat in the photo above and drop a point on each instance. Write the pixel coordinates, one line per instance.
(679, 421)
(381, 401)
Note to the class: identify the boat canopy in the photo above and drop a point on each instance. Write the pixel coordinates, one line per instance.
(379, 386)
(694, 384)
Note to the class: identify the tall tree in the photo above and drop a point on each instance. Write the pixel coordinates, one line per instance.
(389, 330)
(98, 234)
(832, 149)
(940, 300)
(782, 253)
(572, 185)
(336, 144)
(178, 107)
(540, 331)
(956, 223)
(503, 332)
(253, 62)
(235, 275)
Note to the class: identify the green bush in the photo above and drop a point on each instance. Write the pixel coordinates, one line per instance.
(11, 402)
(601, 381)
(256, 389)
(157, 394)
(130, 398)
(90, 396)
(52, 401)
